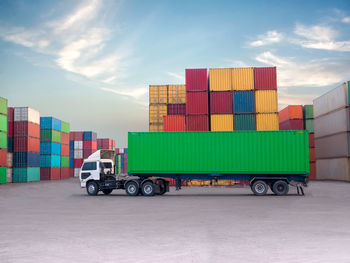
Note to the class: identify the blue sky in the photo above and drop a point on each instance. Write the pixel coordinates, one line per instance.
(90, 62)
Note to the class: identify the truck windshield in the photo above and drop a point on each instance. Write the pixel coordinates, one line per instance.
(106, 165)
(89, 166)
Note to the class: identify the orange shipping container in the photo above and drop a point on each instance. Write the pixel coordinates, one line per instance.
(291, 112)
(174, 123)
(312, 157)
(312, 171)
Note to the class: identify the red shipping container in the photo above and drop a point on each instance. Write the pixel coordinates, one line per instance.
(176, 109)
(26, 144)
(291, 112)
(64, 150)
(3, 157)
(174, 123)
(71, 172)
(90, 145)
(10, 129)
(113, 143)
(196, 79)
(116, 151)
(197, 123)
(291, 125)
(78, 163)
(24, 128)
(88, 152)
(311, 140)
(64, 138)
(197, 103)
(64, 173)
(50, 173)
(76, 136)
(312, 171)
(221, 102)
(265, 78)
(312, 156)
(10, 114)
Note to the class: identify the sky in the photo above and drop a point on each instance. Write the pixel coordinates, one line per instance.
(90, 62)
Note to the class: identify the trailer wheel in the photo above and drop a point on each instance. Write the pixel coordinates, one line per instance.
(147, 189)
(107, 191)
(132, 188)
(92, 188)
(259, 188)
(161, 187)
(280, 188)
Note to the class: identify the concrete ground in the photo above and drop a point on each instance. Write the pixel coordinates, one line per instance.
(59, 222)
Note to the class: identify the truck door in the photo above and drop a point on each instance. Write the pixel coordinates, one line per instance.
(90, 170)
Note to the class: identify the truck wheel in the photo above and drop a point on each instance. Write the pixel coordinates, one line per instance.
(280, 188)
(107, 191)
(259, 188)
(162, 188)
(132, 188)
(147, 189)
(92, 188)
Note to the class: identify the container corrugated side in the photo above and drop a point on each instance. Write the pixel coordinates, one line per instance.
(220, 79)
(221, 102)
(158, 94)
(243, 152)
(265, 78)
(243, 102)
(291, 112)
(334, 122)
(177, 94)
(3, 106)
(3, 175)
(267, 122)
(3, 123)
(291, 125)
(157, 112)
(26, 114)
(221, 122)
(308, 111)
(266, 101)
(196, 80)
(156, 127)
(333, 146)
(197, 103)
(242, 78)
(197, 123)
(309, 125)
(244, 122)
(174, 123)
(333, 169)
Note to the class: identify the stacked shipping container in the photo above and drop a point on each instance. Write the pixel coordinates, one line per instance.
(26, 145)
(308, 115)
(66, 171)
(3, 140)
(10, 112)
(105, 144)
(158, 99)
(332, 130)
(121, 160)
(176, 109)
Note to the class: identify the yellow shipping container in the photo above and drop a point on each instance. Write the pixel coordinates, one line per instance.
(267, 122)
(156, 127)
(158, 94)
(156, 113)
(266, 101)
(242, 78)
(220, 79)
(177, 94)
(221, 122)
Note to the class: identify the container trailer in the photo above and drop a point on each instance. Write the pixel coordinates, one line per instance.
(267, 159)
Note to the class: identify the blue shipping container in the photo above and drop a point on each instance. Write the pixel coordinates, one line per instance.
(50, 161)
(125, 150)
(243, 102)
(26, 159)
(89, 136)
(9, 144)
(50, 123)
(71, 145)
(50, 148)
(71, 162)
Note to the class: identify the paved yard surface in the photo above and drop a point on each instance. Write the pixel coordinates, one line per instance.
(58, 222)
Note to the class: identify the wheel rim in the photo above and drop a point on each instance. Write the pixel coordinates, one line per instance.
(91, 188)
(260, 188)
(131, 189)
(280, 188)
(148, 189)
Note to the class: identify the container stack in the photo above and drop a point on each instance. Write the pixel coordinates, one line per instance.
(308, 115)
(50, 148)
(291, 118)
(332, 130)
(26, 144)
(105, 144)
(3, 140)
(76, 151)
(89, 143)
(197, 100)
(121, 160)
(158, 99)
(9, 144)
(176, 109)
(65, 160)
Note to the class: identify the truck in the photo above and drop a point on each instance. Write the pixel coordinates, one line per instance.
(267, 159)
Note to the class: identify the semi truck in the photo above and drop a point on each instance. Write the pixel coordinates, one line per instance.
(267, 159)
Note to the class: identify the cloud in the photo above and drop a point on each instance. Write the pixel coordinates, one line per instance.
(319, 37)
(177, 76)
(136, 93)
(270, 37)
(346, 19)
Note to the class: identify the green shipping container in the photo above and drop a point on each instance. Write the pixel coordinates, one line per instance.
(3, 106)
(50, 136)
(65, 161)
(3, 175)
(3, 122)
(65, 127)
(308, 111)
(237, 152)
(23, 175)
(99, 147)
(244, 122)
(3, 140)
(309, 126)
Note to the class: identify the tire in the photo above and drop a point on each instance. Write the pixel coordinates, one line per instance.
(162, 187)
(92, 188)
(132, 188)
(148, 189)
(259, 188)
(107, 191)
(280, 188)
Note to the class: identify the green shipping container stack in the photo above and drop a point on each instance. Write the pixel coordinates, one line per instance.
(244, 122)
(3, 139)
(50, 136)
(28, 174)
(242, 152)
(66, 171)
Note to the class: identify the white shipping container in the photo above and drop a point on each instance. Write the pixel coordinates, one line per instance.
(333, 100)
(332, 123)
(9, 175)
(26, 114)
(76, 172)
(78, 154)
(333, 169)
(78, 145)
(9, 160)
(333, 146)
(121, 150)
